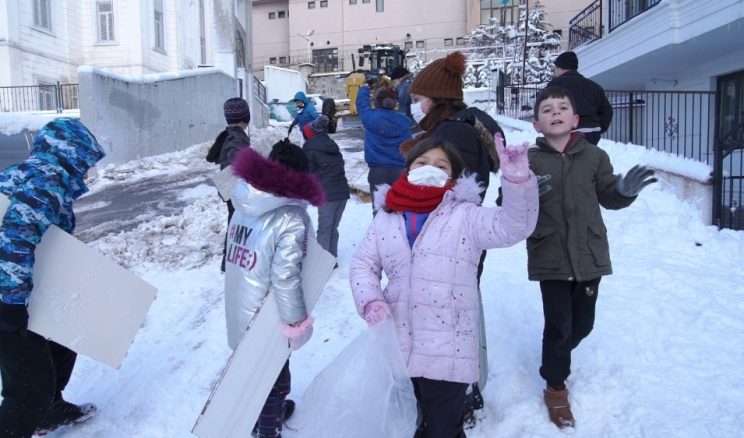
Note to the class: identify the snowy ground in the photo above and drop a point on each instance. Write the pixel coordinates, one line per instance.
(665, 358)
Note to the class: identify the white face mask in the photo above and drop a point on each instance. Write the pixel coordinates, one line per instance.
(416, 112)
(428, 175)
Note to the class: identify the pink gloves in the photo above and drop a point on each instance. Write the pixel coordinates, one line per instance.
(376, 311)
(299, 333)
(514, 164)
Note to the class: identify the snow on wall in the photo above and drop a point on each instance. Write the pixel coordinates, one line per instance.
(282, 83)
(135, 117)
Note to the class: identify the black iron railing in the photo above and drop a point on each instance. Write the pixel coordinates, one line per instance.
(54, 97)
(678, 122)
(622, 11)
(586, 26)
(259, 90)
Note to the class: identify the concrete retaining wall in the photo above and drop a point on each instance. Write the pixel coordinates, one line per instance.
(153, 114)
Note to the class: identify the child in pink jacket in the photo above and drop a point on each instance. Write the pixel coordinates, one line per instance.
(427, 237)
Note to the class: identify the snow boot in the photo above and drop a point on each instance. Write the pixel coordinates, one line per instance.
(64, 413)
(473, 402)
(289, 408)
(559, 410)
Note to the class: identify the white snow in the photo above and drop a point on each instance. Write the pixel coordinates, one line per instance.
(14, 123)
(665, 358)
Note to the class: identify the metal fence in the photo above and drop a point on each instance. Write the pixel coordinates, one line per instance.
(52, 97)
(622, 11)
(678, 122)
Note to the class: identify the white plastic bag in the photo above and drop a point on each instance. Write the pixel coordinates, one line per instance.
(365, 392)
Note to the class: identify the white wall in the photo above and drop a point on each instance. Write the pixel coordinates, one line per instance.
(152, 114)
(282, 84)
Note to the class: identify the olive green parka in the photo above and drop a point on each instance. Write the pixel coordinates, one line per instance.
(570, 239)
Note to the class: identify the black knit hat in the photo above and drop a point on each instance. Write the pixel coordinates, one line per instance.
(398, 72)
(236, 110)
(290, 155)
(567, 61)
(385, 98)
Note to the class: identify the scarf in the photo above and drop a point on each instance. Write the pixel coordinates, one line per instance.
(404, 196)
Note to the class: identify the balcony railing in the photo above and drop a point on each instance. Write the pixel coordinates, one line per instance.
(586, 26)
(622, 11)
(54, 97)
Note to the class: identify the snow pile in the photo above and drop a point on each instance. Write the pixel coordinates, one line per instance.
(15, 123)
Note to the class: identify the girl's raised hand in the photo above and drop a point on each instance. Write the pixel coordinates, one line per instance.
(514, 164)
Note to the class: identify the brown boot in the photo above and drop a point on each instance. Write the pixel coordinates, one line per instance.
(558, 408)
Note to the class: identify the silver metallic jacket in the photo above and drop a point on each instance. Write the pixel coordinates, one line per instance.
(266, 243)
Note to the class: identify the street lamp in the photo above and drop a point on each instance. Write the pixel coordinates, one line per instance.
(306, 37)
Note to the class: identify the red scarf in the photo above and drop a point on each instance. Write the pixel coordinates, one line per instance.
(404, 196)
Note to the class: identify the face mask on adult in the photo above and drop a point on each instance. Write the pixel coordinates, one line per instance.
(428, 176)
(416, 112)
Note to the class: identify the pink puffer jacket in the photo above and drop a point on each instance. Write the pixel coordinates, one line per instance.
(432, 288)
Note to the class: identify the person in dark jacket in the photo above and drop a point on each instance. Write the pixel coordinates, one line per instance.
(306, 111)
(228, 143)
(440, 111)
(384, 131)
(401, 79)
(326, 161)
(41, 191)
(568, 253)
(592, 106)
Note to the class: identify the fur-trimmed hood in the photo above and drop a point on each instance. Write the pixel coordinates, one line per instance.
(466, 189)
(272, 177)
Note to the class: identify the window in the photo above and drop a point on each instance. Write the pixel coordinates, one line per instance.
(105, 20)
(420, 44)
(408, 45)
(272, 60)
(311, 5)
(503, 14)
(325, 60)
(282, 60)
(352, 2)
(460, 41)
(323, 3)
(159, 28)
(272, 15)
(447, 42)
(365, 1)
(380, 6)
(282, 14)
(239, 50)
(43, 14)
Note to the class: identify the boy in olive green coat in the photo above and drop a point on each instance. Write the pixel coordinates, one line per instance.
(568, 252)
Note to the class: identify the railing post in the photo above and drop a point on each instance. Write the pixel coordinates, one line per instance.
(630, 117)
(58, 97)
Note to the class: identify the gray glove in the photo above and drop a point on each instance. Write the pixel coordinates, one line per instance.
(542, 184)
(635, 180)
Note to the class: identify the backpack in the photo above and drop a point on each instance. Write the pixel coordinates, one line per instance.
(329, 110)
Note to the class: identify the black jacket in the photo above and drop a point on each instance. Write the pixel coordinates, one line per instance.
(227, 144)
(327, 162)
(460, 130)
(592, 106)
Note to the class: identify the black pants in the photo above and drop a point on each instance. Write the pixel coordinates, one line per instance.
(34, 372)
(381, 175)
(568, 307)
(272, 414)
(230, 211)
(442, 406)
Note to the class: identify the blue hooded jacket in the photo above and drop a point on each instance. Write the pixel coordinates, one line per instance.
(384, 131)
(41, 190)
(308, 114)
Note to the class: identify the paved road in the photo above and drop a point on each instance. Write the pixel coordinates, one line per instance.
(122, 206)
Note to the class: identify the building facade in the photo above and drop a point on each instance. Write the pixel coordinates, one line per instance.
(328, 32)
(45, 41)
